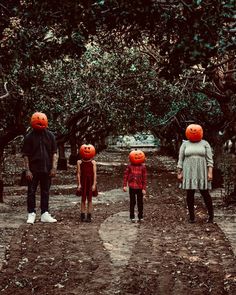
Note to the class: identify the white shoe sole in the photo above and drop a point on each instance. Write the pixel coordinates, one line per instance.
(47, 221)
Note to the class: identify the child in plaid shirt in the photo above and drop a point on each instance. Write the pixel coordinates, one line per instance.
(136, 177)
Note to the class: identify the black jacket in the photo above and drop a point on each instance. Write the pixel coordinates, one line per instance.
(39, 147)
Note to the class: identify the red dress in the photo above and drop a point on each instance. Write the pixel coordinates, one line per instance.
(86, 180)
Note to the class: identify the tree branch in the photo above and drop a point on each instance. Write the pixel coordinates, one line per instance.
(4, 7)
(220, 64)
(7, 93)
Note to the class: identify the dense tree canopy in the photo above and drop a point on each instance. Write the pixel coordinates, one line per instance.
(186, 32)
(100, 67)
(186, 42)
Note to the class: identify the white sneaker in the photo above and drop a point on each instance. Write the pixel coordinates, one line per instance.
(31, 217)
(46, 217)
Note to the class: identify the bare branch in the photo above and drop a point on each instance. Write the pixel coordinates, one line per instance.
(186, 5)
(220, 64)
(150, 54)
(7, 93)
(4, 7)
(230, 71)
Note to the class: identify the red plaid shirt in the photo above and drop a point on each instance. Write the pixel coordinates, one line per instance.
(136, 176)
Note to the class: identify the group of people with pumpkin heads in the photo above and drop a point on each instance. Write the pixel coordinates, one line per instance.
(194, 172)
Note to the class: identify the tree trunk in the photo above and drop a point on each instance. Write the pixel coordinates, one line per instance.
(73, 155)
(1, 175)
(1, 191)
(62, 161)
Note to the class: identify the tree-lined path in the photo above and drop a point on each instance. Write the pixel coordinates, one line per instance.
(164, 255)
(100, 70)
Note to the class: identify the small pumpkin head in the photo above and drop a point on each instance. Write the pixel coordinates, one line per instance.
(137, 157)
(39, 121)
(87, 151)
(194, 132)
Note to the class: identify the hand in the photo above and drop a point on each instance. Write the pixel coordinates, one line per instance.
(180, 176)
(124, 188)
(93, 187)
(28, 175)
(209, 176)
(144, 192)
(53, 172)
(79, 187)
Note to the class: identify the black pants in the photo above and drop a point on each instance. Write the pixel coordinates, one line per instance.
(132, 194)
(45, 181)
(207, 199)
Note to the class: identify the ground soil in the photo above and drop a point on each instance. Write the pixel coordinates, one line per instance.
(163, 255)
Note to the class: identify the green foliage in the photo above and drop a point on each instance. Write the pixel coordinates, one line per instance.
(186, 33)
(71, 56)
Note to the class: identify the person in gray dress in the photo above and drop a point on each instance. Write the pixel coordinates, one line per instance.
(195, 170)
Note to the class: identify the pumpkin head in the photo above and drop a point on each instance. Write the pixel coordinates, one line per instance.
(137, 157)
(87, 151)
(39, 121)
(194, 132)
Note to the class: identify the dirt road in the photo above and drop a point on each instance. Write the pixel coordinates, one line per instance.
(163, 255)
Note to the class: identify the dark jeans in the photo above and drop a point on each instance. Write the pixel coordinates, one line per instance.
(207, 199)
(132, 194)
(45, 181)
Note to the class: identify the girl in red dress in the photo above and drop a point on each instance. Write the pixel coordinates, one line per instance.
(86, 180)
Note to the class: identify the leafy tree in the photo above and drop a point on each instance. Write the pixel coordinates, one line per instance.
(186, 42)
(183, 33)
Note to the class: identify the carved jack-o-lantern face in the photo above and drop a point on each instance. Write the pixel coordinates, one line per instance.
(87, 151)
(194, 132)
(39, 121)
(137, 157)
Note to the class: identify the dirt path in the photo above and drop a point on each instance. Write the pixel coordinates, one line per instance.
(164, 255)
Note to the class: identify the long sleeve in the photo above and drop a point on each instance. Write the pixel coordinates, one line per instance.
(126, 175)
(144, 178)
(181, 156)
(53, 143)
(209, 156)
(27, 146)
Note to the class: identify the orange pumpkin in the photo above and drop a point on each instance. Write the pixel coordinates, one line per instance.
(137, 157)
(87, 151)
(39, 121)
(194, 132)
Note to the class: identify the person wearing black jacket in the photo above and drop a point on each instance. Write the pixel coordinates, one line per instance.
(40, 158)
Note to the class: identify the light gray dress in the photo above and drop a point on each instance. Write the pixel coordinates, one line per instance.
(194, 158)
